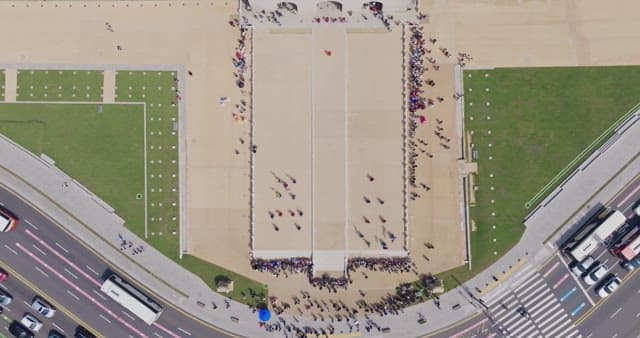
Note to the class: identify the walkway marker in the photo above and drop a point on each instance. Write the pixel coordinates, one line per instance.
(551, 270)
(568, 294)
(564, 278)
(578, 309)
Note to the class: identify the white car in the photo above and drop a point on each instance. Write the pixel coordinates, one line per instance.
(595, 274)
(579, 268)
(31, 322)
(636, 210)
(609, 287)
(43, 307)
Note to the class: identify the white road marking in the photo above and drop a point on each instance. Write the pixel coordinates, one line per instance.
(615, 313)
(73, 295)
(99, 294)
(10, 249)
(105, 318)
(575, 279)
(37, 248)
(92, 270)
(614, 336)
(637, 314)
(128, 315)
(31, 224)
(590, 334)
(61, 247)
(157, 335)
(71, 273)
(183, 330)
(42, 272)
(57, 327)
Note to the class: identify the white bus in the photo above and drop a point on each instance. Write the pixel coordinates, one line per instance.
(599, 235)
(132, 299)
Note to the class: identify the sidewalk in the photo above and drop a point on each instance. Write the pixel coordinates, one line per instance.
(60, 197)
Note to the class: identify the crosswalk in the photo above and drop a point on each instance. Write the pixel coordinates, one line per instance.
(546, 319)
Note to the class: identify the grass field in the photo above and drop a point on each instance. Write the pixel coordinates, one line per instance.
(536, 122)
(103, 151)
(59, 85)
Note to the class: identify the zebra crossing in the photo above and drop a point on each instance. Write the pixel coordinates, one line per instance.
(546, 317)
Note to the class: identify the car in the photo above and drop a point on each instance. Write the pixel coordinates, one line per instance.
(5, 298)
(8, 220)
(3, 275)
(579, 268)
(632, 264)
(55, 334)
(31, 322)
(43, 307)
(636, 210)
(19, 331)
(81, 332)
(609, 286)
(595, 274)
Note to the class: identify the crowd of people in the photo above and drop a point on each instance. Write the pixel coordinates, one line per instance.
(282, 265)
(389, 264)
(240, 59)
(416, 68)
(331, 284)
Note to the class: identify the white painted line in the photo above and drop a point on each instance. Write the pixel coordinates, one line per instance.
(57, 327)
(575, 279)
(73, 295)
(31, 224)
(542, 302)
(543, 289)
(614, 336)
(615, 313)
(61, 247)
(559, 327)
(99, 294)
(42, 272)
(128, 315)
(37, 248)
(157, 335)
(105, 318)
(528, 333)
(185, 331)
(551, 270)
(534, 299)
(71, 273)
(92, 270)
(546, 328)
(590, 334)
(529, 287)
(552, 312)
(637, 314)
(628, 196)
(527, 325)
(10, 249)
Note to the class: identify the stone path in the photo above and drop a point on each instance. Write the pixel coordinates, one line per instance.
(10, 84)
(109, 86)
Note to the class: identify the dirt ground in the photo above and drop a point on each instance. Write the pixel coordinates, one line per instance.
(197, 36)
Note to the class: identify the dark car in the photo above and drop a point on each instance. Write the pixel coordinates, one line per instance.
(81, 332)
(18, 330)
(55, 334)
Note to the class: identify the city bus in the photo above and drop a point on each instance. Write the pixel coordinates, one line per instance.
(601, 232)
(131, 298)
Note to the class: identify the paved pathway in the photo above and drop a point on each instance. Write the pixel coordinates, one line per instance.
(10, 84)
(109, 86)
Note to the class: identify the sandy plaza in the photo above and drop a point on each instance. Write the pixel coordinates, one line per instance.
(327, 112)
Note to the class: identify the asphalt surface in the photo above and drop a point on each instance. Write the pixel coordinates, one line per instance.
(23, 296)
(561, 304)
(68, 274)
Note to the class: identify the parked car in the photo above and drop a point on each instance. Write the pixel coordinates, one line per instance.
(55, 334)
(19, 331)
(8, 220)
(43, 307)
(632, 264)
(31, 322)
(5, 298)
(609, 286)
(81, 332)
(3, 275)
(579, 268)
(636, 210)
(595, 274)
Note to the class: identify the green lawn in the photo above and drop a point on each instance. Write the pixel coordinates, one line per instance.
(537, 121)
(59, 85)
(103, 151)
(158, 91)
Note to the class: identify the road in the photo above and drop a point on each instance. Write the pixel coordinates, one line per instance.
(69, 274)
(556, 299)
(23, 295)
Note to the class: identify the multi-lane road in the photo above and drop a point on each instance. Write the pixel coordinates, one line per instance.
(69, 274)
